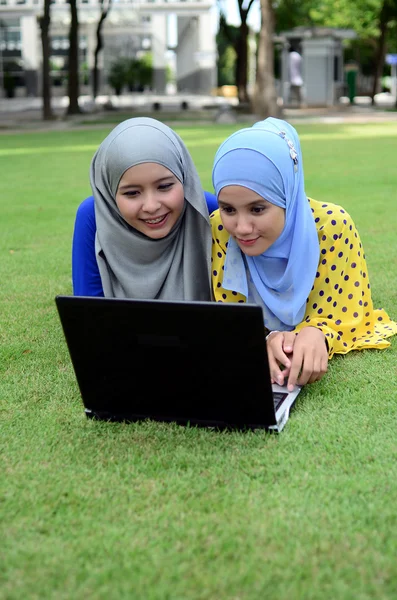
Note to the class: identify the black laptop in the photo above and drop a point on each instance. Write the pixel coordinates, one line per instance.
(197, 363)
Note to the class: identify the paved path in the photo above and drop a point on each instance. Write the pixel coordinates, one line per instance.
(24, 114)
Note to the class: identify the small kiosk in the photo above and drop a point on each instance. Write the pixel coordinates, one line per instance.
(323, 75)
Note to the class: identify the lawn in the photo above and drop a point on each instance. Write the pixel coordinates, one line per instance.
(161, 512)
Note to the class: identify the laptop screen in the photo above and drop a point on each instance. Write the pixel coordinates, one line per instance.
(197, 362)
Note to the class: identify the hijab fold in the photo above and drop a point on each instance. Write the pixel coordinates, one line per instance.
(132, 265)
(267, 159)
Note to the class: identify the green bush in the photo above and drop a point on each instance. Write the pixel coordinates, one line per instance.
(135, 73)
(118, 75)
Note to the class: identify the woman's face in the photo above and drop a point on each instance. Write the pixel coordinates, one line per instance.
(253, 222)
(150, 199)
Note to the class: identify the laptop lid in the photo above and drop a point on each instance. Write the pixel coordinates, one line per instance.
(202, 363)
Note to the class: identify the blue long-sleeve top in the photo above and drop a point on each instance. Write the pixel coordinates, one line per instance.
(85, 272)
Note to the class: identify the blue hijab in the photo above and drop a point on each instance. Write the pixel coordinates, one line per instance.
(267, 159)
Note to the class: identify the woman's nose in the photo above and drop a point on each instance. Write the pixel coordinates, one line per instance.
(243, 226)
(151, 203)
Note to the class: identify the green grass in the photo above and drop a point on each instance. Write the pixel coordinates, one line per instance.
(153, 511)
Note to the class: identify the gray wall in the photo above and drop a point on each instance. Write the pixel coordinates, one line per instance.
(200, 81)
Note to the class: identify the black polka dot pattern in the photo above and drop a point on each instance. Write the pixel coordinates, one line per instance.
(341, 290)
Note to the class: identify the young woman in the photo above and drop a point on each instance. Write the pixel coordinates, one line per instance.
(145, 233)
(301, 260)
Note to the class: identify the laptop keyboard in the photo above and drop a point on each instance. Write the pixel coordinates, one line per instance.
(278, 399)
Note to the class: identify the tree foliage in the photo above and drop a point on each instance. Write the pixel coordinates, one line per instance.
(375, 23)
(227, 67)
(237, 38)
(134, 73)
(360, 15)
(292, 13)
(227, 56)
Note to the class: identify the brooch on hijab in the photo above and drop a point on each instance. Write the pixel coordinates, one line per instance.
(292, 152)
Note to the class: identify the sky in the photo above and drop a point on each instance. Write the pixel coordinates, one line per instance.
(232, 14)
(231, 10)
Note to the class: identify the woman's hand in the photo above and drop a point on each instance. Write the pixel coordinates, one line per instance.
(304, 356)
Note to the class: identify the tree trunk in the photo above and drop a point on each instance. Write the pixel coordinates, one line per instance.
(73, 74)
(99, 47)
(264, 102)
(44, 22)
(241, 48)
(242, 63)
(381, 50)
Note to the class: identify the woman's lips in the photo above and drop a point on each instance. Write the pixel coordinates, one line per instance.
(250, 242)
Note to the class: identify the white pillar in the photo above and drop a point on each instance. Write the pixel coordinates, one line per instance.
(90, 29)
(206, 53)
(196, 54)
(30, 52)
(185, 50)
(159, 49)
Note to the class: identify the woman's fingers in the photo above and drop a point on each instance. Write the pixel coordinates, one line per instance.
(310, 358)
(277, 358)
(302, 357)
(289, 341)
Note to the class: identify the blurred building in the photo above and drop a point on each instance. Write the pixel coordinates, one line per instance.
(132, 28)
(322, 64)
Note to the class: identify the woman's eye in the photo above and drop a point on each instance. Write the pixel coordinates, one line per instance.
(257, 210)
(165, 186)
(227, 209)
(130, 193)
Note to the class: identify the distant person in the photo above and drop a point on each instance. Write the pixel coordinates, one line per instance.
(351, 72)
(295, 76)
(301, 260)
(145, 233)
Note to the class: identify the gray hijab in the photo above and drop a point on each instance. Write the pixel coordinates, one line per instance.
(132, 265)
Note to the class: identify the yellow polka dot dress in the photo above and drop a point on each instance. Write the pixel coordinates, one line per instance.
(340, 301)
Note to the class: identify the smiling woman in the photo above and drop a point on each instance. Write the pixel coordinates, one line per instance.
(145, 233)
(301, 260)
(150, 199)
(250, 219)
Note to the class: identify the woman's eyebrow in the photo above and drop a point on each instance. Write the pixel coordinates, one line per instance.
(166, 178)
(137, 185)
(128, 185)
(223, 203)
